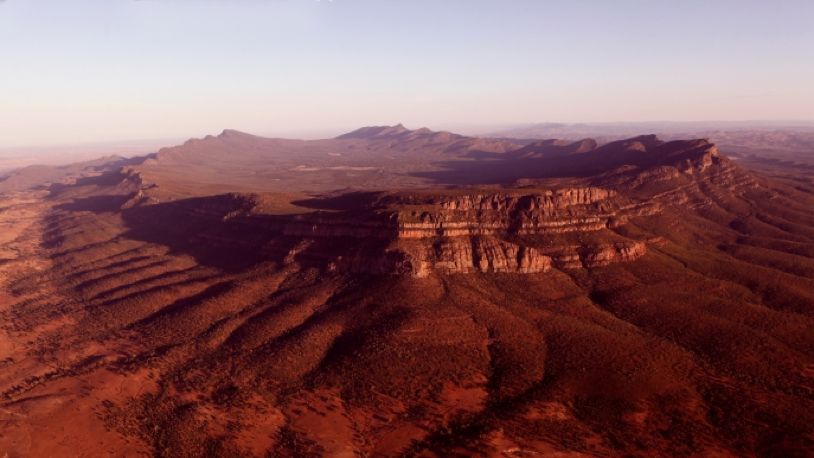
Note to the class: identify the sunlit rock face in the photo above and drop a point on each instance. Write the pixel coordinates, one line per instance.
(499, 232)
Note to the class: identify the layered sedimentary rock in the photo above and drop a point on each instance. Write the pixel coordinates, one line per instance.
(477, 232)
(448, 256)
(415, 234)
(418, 216)
(596, 255)
(603, 255)
(480, 254)
(543, 212)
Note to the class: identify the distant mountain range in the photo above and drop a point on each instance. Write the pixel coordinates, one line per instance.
(762, 139)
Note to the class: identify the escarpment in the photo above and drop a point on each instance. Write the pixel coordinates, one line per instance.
(453, 255)
(526, 228)
(420, 216)
(417, 233)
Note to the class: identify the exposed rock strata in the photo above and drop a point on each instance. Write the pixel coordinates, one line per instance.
(413, 216)
(416, 234)
(466, 233)
(449, 256)
(603, 255)
(596, 255)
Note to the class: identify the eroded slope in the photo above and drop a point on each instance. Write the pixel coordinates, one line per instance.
(222, 326)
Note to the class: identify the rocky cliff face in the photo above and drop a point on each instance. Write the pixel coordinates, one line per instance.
(465, 255)
(603, 255)
(451, 255)
(552, 211)
(500, 232)
(419, 216)
(522, 232)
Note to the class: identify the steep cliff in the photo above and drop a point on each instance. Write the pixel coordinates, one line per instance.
(447, 256)
(510, 231)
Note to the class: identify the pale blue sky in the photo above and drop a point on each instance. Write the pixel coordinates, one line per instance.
(100, 70)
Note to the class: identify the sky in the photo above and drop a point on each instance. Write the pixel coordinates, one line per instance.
(84, 71)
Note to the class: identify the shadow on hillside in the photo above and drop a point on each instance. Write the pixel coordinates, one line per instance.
(346, 201)
(504, 171)
(222, 231)
(537, 160)
(202, 228)
(97, 204)
(119, 191)
(552, 160)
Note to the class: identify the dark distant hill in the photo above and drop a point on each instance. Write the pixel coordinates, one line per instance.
(755, 141)
(41, 175)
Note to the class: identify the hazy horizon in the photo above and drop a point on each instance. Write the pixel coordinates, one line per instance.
(95, 148)
(91, 71)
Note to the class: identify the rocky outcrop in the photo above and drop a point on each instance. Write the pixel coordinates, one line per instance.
(521, 232)
(596, 255)
(420, 216)
(464, 255)
(547, 200)
(603, 255)
(454, 255)
(477, 232)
